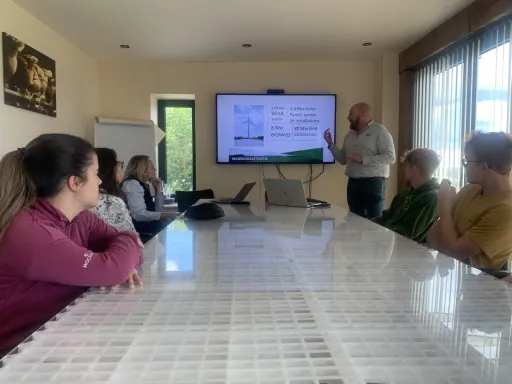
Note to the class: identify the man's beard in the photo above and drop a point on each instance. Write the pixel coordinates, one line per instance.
(354, 126)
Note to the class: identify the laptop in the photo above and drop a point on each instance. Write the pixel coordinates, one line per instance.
(239, 198)
(288, 193)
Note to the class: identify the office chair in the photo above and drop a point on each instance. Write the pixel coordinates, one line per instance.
(186, 199)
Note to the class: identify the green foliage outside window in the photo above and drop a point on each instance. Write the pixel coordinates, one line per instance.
(179, 149)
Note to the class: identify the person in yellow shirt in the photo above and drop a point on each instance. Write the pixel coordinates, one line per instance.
(475, 225)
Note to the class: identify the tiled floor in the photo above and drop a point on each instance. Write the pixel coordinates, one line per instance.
(284, 296)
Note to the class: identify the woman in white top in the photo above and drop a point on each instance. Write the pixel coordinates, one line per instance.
(147, 213)
(111, 207)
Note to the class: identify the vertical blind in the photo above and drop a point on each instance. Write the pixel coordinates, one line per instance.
(464, 89)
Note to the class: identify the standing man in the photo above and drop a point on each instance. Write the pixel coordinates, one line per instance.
(367, 151)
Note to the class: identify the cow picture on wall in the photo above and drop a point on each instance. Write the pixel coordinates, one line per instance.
(29, 77)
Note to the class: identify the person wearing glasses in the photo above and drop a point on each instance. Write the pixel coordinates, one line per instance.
(111, 206)
(475, 225)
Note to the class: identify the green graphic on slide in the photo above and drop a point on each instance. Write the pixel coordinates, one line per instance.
(312, 155)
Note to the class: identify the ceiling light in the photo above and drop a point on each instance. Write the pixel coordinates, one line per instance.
(247, 45)
(124, 46)
(367, 44)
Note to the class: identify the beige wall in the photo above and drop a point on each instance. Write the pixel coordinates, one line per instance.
(125, 90)
(388, 67)
(77, 83)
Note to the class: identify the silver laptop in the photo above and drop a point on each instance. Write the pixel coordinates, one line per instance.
(286, 192)
(240, 196)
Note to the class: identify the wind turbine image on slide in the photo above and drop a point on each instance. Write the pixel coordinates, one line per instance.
(249, 123)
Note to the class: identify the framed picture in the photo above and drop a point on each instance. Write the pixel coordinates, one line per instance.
(29, 77)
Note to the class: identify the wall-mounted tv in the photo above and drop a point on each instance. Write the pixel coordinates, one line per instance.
(274, 129)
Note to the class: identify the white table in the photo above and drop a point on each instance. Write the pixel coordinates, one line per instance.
(281, 296)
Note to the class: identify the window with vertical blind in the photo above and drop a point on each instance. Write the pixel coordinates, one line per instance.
(465, 88)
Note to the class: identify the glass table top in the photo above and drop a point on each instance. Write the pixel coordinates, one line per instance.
(281, 295)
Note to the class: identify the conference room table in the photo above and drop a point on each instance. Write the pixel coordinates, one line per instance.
(281, 295)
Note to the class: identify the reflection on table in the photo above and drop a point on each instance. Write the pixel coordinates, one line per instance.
(284, 295)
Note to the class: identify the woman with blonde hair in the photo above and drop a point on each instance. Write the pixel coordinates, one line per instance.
(148, 215)
(51, 246)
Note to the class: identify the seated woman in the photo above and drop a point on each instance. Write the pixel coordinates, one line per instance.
(51, 246)
(111, 207)
(147, 214)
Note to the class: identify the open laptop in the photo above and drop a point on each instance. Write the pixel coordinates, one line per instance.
(239, 198)
(289, 193)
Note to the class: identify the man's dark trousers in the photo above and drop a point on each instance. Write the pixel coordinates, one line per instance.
(365, 196)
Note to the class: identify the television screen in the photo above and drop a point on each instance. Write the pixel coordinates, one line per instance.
(274, 129)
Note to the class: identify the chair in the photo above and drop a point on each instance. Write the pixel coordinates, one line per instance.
(186, 199)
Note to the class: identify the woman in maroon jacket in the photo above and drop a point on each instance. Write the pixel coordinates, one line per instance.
(51, 246)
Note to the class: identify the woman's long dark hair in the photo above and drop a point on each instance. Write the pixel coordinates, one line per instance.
(107, 160)
(41, 169)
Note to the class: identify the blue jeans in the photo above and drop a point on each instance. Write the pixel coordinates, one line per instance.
(365, 196)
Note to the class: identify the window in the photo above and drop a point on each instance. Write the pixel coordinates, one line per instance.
(463, 89)
(438, 114)
(176, 153)
(493, 82)
(447, 120)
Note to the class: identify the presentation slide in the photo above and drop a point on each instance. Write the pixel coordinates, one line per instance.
(274, 129)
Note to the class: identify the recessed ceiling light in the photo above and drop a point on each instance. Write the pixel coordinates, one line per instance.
(367, 44)
(124, 46)
(247, 45)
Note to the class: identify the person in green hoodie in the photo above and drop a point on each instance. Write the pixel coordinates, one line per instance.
(413, 211)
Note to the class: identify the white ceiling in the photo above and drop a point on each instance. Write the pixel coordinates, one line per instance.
(213, 30)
